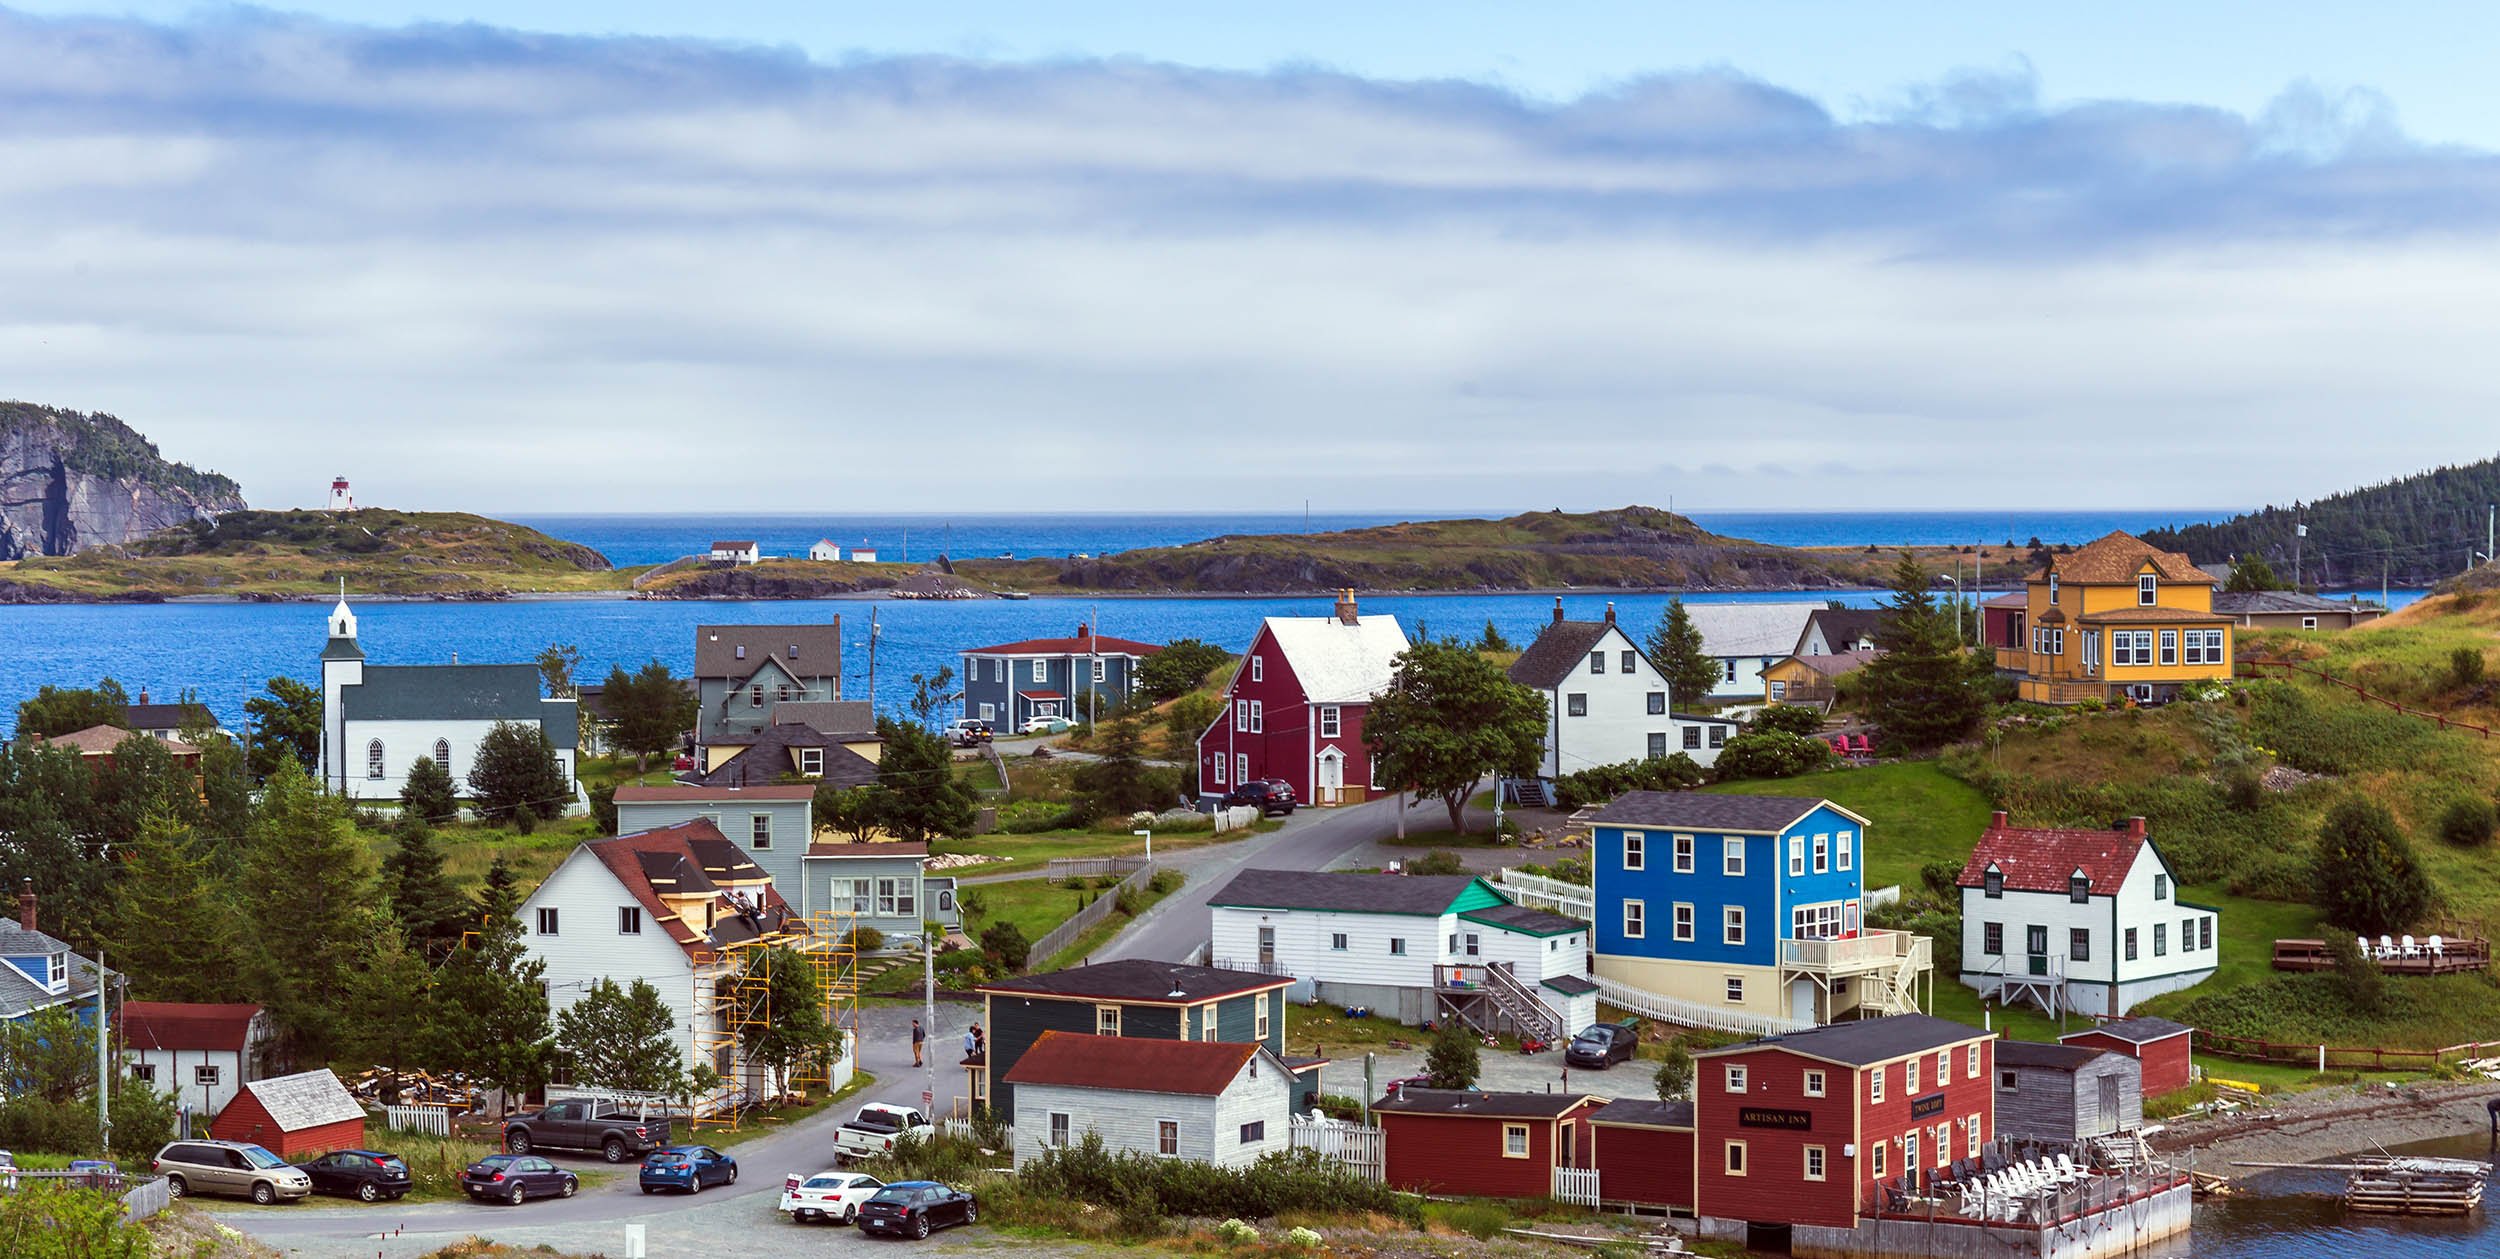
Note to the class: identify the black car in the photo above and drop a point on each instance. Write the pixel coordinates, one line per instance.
(1602, 1046)
(516, 1178)
(1270, 796)
(367, 1175)
(910, 1208)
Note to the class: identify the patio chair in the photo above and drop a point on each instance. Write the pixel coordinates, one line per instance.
(2409, 949)
(2366, 949)
(2386, 946)
(1860, 745)
(2439, 948)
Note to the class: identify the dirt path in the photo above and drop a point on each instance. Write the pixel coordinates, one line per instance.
(2306, 1127)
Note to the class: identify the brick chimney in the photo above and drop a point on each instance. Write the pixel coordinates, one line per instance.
(1080, 629)
(1557, 609)
(26, 905)
(2135, 827)
(1346, 614)
(1610, 611)
(143, 695)
(1996, 820)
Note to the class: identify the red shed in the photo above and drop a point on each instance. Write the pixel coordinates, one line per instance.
(293, 1115)
(1644, 1153)
(2160, 1044)
(1485, 1145)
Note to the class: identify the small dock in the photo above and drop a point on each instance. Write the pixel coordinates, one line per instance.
(2405, 1185)
(2434, 956)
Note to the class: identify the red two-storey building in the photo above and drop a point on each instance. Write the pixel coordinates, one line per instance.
(1294, 707)
(1802, 1128)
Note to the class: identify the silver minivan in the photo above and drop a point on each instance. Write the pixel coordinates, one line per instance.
(231, 1169)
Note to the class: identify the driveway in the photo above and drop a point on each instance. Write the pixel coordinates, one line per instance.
(1312, 839)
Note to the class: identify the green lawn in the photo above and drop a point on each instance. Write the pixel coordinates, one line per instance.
(1915, 813)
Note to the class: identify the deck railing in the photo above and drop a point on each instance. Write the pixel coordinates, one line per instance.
(1870, 950)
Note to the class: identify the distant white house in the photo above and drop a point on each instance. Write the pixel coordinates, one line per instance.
(824, 550)
(736, 552)
(863, 555)
(1748, 638)
(1606, 703)
(2086, 920)
(377, 720)
(200, 1053)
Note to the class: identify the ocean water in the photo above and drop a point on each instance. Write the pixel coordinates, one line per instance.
(2296, 1213)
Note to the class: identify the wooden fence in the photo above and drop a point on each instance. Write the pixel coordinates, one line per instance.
(2329, 1057)
(2252, 664)
(1062, 869)
(1360, 1151)
(1576, 1184)
(142, 1194)
(432, 1121)
(1086, 919)
(146, 1198)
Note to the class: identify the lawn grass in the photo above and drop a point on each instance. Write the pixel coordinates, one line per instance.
(1444, 837)
(1102, 932)
(764, 1123)
(1032, 853)
(1915, 813)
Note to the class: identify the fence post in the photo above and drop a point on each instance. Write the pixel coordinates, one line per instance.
(2322, 1060)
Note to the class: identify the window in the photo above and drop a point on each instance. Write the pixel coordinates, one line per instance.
(1944, 1067)
(1992, 882)
(1815, 922)
(1059, 1128)
(1258, 716)
(1397, 946)
(1514, 1140)
(781, 693)
(1970, 1129)
(1735, 1078)
(1575, 705)
(1475, 945)
(1253, 1133)
(2205, 646)
(855, 891)
(1732, 925)
(442, 753)
(1992, 939)
(2309, 622)
(1878, 1162)
(1736, 990)
(546, 921)
(2006, 1082)
(1635, 846)
(760, 829)
(1328, 721)
(1657, 703)
(1258, 668)
(1683, 854)
(2147, 590)
(1970, 1055)
(1732, 856)
(1718, 736)
(1735, 1158)
(2078, 944)
(1041, 670)
(2161, 887)
(373, 759)
(1822, 854)
(989, 712)
(1909, 1155)
(629, 920)
(1219, 769)
(1814, 1162)
(2161, 939)
(2170, 646)
(1657, 744)
(1101, 668)
(1730, 674)
(2187, 935)
(1628, 660)
(1909, 1077)
(1168, 1137)
(755, 695)
(1597, 662)
(2130, 952)
(1241, 767)
(1683, 923)
(1875, 1085)
(2079, 887)
(1844, 849)
(1260, 1031)
(1106, 1020)
(2204, 933)
(1635, 920)
(1796, 855)
(143, 1072)
(1814, 1084)
(2052, 590)
(812, 760)
(204, 1075)
(1692, 738)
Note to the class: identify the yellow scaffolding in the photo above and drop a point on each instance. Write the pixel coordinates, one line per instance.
(824, 944)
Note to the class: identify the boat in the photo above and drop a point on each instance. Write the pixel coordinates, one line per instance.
(1013, 594)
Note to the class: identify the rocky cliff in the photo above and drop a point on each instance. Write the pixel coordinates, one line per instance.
(70, 481)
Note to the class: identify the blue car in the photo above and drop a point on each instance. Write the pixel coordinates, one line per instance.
(687, 1167)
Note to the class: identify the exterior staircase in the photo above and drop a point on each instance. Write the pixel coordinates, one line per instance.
(1492, 1001)
(1529, 793)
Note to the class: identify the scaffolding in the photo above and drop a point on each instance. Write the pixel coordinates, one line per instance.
(824, 944)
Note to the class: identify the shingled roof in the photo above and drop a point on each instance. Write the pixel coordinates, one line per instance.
(806, 651)
(1135, 1064)
(1469, 1102)
(772, 758)
(1422, 894)
(1864, 1042)
(2042, 859)
(1559, 651)
(1141, 980)
(1703, 811)
(2116, 558)
(690, 858)
(307, 1099)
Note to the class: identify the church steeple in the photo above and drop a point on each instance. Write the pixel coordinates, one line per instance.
(342, 645)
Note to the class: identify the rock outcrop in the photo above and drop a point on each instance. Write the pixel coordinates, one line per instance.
(70, 481)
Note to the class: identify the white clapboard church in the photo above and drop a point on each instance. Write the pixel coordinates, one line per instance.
(376, 719)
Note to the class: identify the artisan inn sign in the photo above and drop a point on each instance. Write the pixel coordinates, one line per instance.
(1766, 1117)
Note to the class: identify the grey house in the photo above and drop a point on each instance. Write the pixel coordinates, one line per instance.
(743, 672)
(886, 884)
(1087, 672)
(2063, 1093)
(772, 822)
(1220, 1102)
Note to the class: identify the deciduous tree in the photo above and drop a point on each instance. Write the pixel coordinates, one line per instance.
(48, 839)
(1675, 1075)
(622, 1038)
(286, 725)
(784, 1020)
(1677, 649)
(1178, 669)
(556, 667)
(2364, 876)
(918, 796)
(2250, 572)
(1448, 718)
(650, 710)
(56, 710)
(1187, 718)
(1455, 1059)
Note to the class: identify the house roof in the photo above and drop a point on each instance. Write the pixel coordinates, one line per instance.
(2032, 1053)
(307, 1099)
(1339, 663)
(1426, 894)
(1134, 1064)
(807, 651)
(460, 692)
(162, 716)
(734, 544)
(2140, 1030)
(2165, 616)
(1525, 921)
(1703, 811)
(2016, 599)
(99, 740)
(2115, 558)
(690, 858)
(1750, 629)
(1837, 663)
(1469, 1102)
(2042, 859)
(781, 793)
(1864, 1042)
(1842, 626)
(841, 718)
(187, 1024)
(1646, 1114)
(2246, 602)
(20, 995)
(1559, 651)
(772, 757)
(1041, 695)
(1140, 980)
(834, 849)
(1571, 985)
(1074, 645)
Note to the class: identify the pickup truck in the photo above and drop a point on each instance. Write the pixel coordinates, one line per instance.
(616, 1131)
(875, 1128)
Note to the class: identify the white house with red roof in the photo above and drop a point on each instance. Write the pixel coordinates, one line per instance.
(1088, 672)
(1295, 704)
(2084, 920)
(1221, 1102)
(201, 1052)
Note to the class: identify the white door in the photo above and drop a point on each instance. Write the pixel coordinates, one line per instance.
(1801, 1000)
(1331, 776)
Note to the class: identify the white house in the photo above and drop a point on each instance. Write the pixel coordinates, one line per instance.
(1605, 701)
(1414, 947)
(1748, 638)
(376, 720)
(736, 551)
(824, 550)
(200, 1052)
(863, 555)
(1220, 1102)
(2084, 920)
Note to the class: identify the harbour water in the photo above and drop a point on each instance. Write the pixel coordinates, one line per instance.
(2299, 1214)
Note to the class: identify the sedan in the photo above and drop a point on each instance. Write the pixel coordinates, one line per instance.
(687, 1167)
(1602, 1046)
(832, 1194)
(516, 1178)
(910, 1208)
(365, 1175)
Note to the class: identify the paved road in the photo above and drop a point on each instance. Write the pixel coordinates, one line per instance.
(1312, 839)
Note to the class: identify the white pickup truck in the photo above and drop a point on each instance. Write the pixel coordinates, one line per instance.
(875, 1128)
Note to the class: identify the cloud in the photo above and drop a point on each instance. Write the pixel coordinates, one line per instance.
(481, 268)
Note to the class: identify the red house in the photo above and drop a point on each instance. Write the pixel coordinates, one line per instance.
(2160, 1045)
(1644, 1153)
(1802, 1128)
(1483, 1145)
(293, 1115)
(1294, 707)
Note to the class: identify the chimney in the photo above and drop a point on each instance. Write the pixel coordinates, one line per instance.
(1346, 614)
(2135, 827)
(1610, 611)
(1996, 820)
(1080, 629)
(26, 904)
(143, 695)
(1557, 609)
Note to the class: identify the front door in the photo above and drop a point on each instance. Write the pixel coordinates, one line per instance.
(2036, 943)
(1267, 948)
(2107, 1120)
(2091, 653)
(1331, 776)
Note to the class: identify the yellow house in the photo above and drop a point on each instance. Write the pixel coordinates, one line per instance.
(2116, 620)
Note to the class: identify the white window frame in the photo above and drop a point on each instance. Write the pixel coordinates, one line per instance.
(1041, 670)
(1736, 1079)
(1220, 760)
(1734, 992)
(1815, 1080)
(1681, 922)
(1635, 850)
(1241, 768)
(1058, 1130)
(1732, 856)
(206, 1073)
(2169, 647)
(1683, 854)
(1258, 667)
(1635, 919)
(1732, 926)
(1330, 723)
(1259, 1008)
(1106, 1020)
(1844, 854)
(2147, 590)
(1258, 716)
(1822, 854)
(1875, 1085)
(1796, 856)
(760, 829)
(1167, 1138)
(1909, 1077)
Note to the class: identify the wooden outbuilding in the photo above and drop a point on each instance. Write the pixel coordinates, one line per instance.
(2160, 1044)
(293, 1115)
(2060, 1094)
(1484, 1145)
(1644, 1154)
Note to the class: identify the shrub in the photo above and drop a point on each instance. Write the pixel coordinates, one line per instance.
(1480, 1220)
(1165, 882)
(1302, 1239)
(2364, 877)
(2364, 984)
(1005, 945)
(866, 939)
(1029, 817)
(1453, 1061)
(2468, 823)
(2465, 667)
(1771, 754)
(1600, 783)
(1143, 1191)
(1236, 1233)
(1675, 1075)
(1337, 1106)
(1788, 719)
(1438, 861)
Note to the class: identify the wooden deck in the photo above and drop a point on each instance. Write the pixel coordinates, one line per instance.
(2454, 957)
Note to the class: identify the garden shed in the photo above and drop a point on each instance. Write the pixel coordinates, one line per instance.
(293, 1115)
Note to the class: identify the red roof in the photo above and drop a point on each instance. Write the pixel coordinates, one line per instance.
(2041, 860)
(1133, 1064)
(1041, 695)
(1102, 644)
(783, 792)
(187, 1024)
(623, 856)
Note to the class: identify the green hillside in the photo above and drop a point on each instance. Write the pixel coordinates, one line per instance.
(276, 554)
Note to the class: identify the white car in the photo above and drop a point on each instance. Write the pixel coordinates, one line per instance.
(1044, 725)
(831, 1194)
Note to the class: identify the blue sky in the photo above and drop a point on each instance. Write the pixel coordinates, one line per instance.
(637, 256)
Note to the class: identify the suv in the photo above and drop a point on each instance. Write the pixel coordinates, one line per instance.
(968, 732)
(232, 1168)
(1269, 796)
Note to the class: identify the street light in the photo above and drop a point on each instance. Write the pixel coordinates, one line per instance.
(1958, 635)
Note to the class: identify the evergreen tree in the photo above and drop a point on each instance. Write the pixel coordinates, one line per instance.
(1448, 718)
(286, 725)
(60, 710)
(172, 926)
(2364, 874)
(517, 776)
(427, 796)
(430, 911)
(1454, 1060)
(141, 783)
(48, 839)
(490, 1016)
(556, 667)
(2250, 572)
(1677, 650)
(650, 710)
(306, 895)
(932, 693)
(1492, 640)
(1119, 781)
(225, 785)
(389, 1002)
(1926, 689)
(784, 1019)
(619, 1038)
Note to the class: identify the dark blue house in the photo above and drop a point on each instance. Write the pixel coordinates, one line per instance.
(1749, 908)
(1067, 678)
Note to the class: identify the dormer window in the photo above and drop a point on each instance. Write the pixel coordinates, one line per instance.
(2147, 590)
(1992, 882)
(59, 966)
(740, 650)
(2052, 590)
(2079, 887)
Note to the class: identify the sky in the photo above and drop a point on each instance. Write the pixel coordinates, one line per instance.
(544, 256)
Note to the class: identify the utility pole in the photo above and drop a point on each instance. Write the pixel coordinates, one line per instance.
(2491, 527)
(928, 1021)
(103, 1051)
(2298, 532)
(872, 662)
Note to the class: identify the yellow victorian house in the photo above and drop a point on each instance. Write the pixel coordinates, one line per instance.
(2115, 620)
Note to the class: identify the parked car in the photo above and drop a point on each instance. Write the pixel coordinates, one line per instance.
(1043, 725)
(874, 1130)
(1403, 1083)
(1270, 796)
(832, 1194)
(1602, 1046)
(232, 1169)
(365, 1175)
(969, 732)
(687, 1167)
(516, 1178)
(911, 1208)
(616, 1132)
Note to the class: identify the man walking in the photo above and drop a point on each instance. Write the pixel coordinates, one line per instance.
(918, 1034)
(972, 1040)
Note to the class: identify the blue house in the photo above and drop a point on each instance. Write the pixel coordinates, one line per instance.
(1067, 678)
(1746, 906)
(39, 972)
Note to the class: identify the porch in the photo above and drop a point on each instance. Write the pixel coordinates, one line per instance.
(1492, 1000)
(1868, 975)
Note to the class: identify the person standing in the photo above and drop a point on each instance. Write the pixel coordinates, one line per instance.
(918, 1034)
(972, 1040)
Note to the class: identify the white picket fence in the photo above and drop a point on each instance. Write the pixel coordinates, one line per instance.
(1576, 1184)
(1235, 818)
(1361, 1151)
(1574, 900)
(431, 1121)
(1692, 1013)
